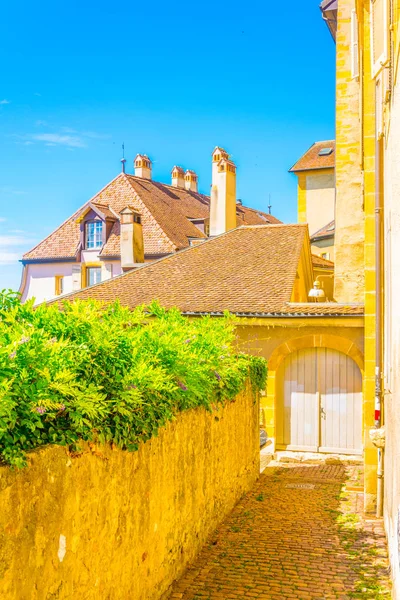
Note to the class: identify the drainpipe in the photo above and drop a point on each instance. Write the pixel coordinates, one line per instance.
(378, 318)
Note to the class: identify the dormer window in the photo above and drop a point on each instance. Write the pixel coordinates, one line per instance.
(94, 235)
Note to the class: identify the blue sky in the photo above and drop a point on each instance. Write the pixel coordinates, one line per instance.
(172, 80)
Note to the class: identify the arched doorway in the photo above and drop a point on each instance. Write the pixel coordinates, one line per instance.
(319, 402)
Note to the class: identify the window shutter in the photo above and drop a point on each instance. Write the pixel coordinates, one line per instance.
(76, 278)
(355, 68)
(379, 34)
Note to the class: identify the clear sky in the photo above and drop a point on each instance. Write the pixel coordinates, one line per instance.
(170, 79)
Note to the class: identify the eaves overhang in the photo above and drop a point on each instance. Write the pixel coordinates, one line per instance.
(329, 9)
(319, 238)
(62, 259)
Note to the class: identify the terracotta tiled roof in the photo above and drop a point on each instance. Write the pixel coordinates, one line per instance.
(247, 270)
(318, 261)
(107, 212)
(325, 232)
(312, 160)
(322, 308)
(165, 212)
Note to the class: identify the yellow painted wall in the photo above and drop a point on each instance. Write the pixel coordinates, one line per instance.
(275, 338)
(325, 277)
(316, 198)
(117, 525)
(320, 189)
(302, 197)
(349, 214)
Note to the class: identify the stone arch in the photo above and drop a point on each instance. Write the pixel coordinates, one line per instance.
(335, 342)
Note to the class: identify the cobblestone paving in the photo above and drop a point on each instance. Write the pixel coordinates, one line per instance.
(286, 541)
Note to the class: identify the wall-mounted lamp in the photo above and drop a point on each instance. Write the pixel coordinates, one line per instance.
(317, 294)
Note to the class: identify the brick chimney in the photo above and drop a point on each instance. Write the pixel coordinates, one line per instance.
(131, 238)
(142, 165)
(178, 177)
(223, 194)
(191, 181)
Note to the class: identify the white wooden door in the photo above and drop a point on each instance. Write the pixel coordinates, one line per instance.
(319, 402)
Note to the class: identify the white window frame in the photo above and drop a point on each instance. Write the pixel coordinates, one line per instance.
(380, 62)
(91, 270)
(97, 235)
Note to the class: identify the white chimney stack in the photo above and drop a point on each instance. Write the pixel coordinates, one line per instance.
(131, 238)
(191, 181)
(178, 177)
(142, 165)
(223, 193)
(216, 157)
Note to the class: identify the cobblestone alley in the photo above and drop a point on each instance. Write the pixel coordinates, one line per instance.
(299, 534)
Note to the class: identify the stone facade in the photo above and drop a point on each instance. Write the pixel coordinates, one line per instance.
(349, 214)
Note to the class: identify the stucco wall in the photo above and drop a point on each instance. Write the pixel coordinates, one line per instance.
(112, 524)
(40, 282)
(40, 277)
(392, 338)
(320, 199)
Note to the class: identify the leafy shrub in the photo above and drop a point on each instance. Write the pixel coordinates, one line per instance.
(103, 372)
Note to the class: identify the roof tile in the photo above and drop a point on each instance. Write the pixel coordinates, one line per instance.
(165, 212)
(248, 271)
(312, 160)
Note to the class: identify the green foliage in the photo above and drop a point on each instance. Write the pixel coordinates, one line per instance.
(103, 372)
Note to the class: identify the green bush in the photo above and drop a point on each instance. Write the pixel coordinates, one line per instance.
(103, 372)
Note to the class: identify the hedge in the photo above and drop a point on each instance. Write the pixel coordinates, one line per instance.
(90, 371)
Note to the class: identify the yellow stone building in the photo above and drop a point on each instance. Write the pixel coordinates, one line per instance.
(367, 253)
(309, 347)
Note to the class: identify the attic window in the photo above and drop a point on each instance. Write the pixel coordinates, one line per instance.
(137, 219)
(325, 151)
(94, 235)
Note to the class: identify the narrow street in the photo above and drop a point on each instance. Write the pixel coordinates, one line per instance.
(299, 534)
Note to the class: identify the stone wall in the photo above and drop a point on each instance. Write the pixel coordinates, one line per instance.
(112, 525)
(349, 214)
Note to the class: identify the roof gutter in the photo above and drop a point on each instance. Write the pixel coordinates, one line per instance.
(272, 315)
(32, 261)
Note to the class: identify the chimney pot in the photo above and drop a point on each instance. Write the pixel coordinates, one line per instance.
(191, 181)
(142, 164)
(178, 177)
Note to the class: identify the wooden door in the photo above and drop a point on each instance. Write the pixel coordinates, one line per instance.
(319, 402)
(340, 386)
